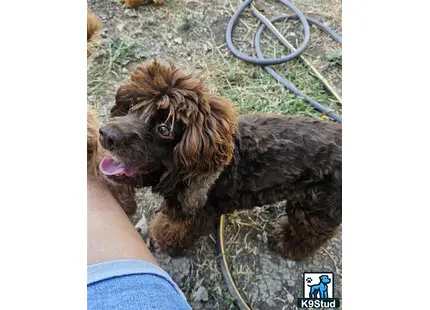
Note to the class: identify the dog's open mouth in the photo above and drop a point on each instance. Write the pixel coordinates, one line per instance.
(111, 167)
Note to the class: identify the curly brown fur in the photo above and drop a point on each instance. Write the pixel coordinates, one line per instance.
(93, 26)
(169, 132)
(124, 194)
(136, 3)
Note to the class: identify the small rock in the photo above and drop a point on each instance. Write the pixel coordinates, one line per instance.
(139, 54)
(142, 225)
(290, 298)
(150, 20)
(178, 40)
(189, 58)
(120, 27)
(201, 294)
(207, 48)
(169, 36)
(267, 287)
(264, 237)
(259, 237)
(130, 13)
(180, 269)
(104, 33)
(291, 263)
(197, 306)
(291, 283)
(137, 31)
(103, 16)
(124, 61)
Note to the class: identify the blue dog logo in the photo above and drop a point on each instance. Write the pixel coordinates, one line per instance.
(320, 290)
(318, 296)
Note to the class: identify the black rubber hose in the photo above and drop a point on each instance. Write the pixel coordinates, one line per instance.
(260, 60)
(263, 61)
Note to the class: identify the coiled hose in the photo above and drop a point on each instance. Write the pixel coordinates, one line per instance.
(295, 53)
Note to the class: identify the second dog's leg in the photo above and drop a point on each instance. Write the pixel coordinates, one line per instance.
(173, 235)
(304, 231)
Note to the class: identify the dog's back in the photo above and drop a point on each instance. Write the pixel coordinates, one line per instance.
(293, 159)
(289, 149)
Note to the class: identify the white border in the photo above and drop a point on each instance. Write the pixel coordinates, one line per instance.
(43, 115)
(385, 154)
(386, 159)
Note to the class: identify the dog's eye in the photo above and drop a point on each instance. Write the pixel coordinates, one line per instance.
(164, 131)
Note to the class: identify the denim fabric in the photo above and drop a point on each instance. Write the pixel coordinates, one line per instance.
(132, 284)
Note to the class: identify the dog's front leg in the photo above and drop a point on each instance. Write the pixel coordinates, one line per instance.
(194, 197)
(173, 232)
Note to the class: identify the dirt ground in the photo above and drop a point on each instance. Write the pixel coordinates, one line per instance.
(192, 33)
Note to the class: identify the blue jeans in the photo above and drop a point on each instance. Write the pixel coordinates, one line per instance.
(132, 284)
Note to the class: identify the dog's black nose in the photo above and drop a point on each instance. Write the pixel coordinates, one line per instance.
(109, 138)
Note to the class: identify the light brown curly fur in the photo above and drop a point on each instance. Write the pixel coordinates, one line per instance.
(135, 3)
(93, 26)
(124, 194)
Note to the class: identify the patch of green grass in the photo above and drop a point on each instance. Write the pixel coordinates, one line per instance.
(186, 21)
(335, 58)
(255, 90)
(108, 61)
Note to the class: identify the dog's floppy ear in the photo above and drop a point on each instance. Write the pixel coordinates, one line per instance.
(207, 144)
(124, 100)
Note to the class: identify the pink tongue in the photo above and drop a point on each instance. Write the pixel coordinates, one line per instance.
(110, 166)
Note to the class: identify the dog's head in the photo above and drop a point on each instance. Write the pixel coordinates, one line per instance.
(325, 279)
(166, 128)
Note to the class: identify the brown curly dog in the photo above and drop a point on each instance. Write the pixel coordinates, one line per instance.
(169, 132)
(136, 3)
(123, 193)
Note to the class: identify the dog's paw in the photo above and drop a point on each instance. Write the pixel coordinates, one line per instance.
(168, 236)
(284, 241)
(172, 251)
(287, 251)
